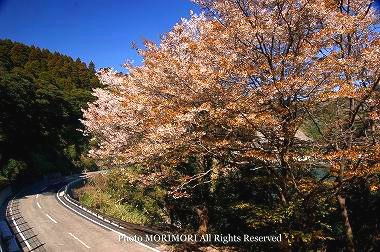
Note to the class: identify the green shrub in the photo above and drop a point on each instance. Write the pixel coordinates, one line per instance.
(115, 195)
(3, 182)
(13, 168)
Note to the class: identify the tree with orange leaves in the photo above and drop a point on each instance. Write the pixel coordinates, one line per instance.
(236, 86)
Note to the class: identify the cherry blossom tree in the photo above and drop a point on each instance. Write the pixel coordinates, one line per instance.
(237, 84)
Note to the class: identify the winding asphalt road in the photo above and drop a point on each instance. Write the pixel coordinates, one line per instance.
(60, 229)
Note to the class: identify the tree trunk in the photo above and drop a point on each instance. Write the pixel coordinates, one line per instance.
(169, 209)
(347, 225)
(214, 177)
(203, 219)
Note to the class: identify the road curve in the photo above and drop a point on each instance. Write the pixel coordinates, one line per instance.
(60, 229)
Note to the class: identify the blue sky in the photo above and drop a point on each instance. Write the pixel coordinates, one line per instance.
(97, 30)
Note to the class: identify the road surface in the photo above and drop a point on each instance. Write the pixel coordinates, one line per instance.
(60, 229)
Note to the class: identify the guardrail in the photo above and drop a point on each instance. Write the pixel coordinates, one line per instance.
(23, 232)
(123, 229)
(111, 220)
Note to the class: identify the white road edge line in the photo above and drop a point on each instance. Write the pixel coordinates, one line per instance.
(100, 224)
(18, 229)
(51, 218)
(37, 196)
(76, 238)
(38, 204)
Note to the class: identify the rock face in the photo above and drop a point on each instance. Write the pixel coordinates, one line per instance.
(301, 136)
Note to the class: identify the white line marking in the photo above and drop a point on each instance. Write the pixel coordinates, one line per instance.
(38, 204)
(18, 230)
(51, 219)
(37, 196)
(100, 224)
(76, 238)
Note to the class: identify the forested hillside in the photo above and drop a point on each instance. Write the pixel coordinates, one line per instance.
(41, 96)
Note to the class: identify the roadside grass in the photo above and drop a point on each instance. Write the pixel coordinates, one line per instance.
(119, 200)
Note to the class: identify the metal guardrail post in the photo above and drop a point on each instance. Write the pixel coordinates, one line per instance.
(19, 227)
